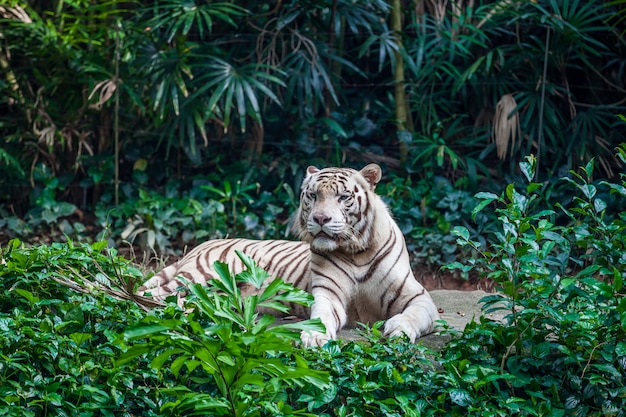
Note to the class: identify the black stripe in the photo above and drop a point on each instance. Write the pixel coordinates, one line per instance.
(396, 296)
(335, 264)
(330, 291)
(228, 249)
(379, 257)
(321, 276)
(267, 246)
(411, 299)
(299, 270)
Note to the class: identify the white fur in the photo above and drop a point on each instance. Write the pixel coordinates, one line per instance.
(365, 286)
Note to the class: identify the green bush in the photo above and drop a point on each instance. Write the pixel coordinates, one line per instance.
(236, 363)
(562, 344)
(426, 211)
(57, 350)
(72, 344)
(67, 326)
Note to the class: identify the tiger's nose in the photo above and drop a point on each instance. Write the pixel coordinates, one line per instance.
(321, 219)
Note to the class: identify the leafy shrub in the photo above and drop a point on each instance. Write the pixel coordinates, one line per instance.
(560, 350)
(156, 222)
(63, 353)
(378, 377)
(214, 206)
(426, 212)
(237, 363)
(562, 343)
(57, 355)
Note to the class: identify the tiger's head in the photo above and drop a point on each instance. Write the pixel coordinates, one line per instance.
(336, 208)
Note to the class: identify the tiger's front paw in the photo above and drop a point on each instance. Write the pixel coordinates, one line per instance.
(399, 325)
(311, 339)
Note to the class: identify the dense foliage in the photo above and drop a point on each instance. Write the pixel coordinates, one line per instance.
(155, 125)
(99, 100)
(74, 344)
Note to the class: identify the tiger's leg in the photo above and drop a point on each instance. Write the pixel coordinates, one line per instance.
(417, 316)
(333, 316)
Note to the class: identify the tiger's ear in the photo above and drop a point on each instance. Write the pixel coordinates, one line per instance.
(372, 173)
(311, 170)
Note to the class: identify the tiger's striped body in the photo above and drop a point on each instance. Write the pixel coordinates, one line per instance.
(280, 258)
(353, 260)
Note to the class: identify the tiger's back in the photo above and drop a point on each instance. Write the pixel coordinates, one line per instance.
(280, 258)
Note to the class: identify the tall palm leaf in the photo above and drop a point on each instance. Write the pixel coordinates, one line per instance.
(238, 88)
(180, 17)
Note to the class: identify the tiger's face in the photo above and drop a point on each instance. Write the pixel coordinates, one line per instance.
(335, 210)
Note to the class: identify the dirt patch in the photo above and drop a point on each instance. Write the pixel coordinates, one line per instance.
(445, 280)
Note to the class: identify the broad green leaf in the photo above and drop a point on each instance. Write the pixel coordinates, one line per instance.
(179, 362)
(224, 277)
(588, 190)
(32, 299)
(132, 353)
(249, 310)
(307, 325)
(616, 188)
(262, 323)
(460, 231)
(272, 289)
(165, 356)
(487, 198)
(143, 330)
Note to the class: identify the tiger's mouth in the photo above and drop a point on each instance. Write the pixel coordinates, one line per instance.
(324, 235)
(323, 242)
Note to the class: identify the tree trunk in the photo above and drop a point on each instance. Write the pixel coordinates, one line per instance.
(402, 113)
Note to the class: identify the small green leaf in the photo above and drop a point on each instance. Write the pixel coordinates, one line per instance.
(461, 231)
(588, 190)
(80, 338)
(510, 191)
(528, 167)
(487, 198)
(599, 205)
(460, 397)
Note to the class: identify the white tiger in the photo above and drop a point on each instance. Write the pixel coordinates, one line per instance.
(352, 258)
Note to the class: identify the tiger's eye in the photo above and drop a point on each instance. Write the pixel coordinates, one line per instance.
(312, 196)
(344, 197)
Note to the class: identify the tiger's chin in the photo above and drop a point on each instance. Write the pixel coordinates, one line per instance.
(324, 243)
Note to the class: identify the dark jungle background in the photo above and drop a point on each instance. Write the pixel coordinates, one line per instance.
(169, 122)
